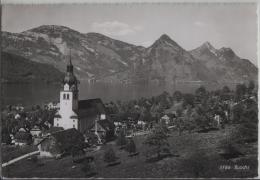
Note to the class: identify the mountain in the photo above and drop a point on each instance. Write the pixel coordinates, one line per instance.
(168, 61)
(93, 54)
(225, 64)
(17, 69)
(100, 57)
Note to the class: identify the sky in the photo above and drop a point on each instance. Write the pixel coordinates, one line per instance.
(190, 25)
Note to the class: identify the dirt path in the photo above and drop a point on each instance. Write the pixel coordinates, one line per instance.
(20, 158)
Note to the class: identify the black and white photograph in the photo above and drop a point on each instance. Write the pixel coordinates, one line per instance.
(129, 90)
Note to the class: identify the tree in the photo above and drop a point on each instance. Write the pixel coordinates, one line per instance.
(225, 89)
(6, 137)
(121, 139)
(237, 112)
(201, 91)
(240, 91)
(177, 95)
(130, 146)
(157, 141)
(110, 155)
(89, 168)
(202, 118)
(251, 87)
(188, 119)
(188, 100)
(248, 129)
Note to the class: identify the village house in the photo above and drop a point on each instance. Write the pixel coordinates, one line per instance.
(52, 106)
(61, 142)
(165, 119)
(141, 124)
(22, 138)
(35, 131)
(174, 109)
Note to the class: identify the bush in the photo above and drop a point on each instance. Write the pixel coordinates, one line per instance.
(89, 168)
(157, 141)
(228, 148)
(247, 130)
(130, 146)
(110, 155)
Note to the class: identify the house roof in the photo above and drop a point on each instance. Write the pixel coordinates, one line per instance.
(53, 130)
(106, 124)
(67, 138)
(22, 136)
(67, 135)
(174, 108)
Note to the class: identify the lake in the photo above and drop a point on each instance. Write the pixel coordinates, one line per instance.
(32, 94)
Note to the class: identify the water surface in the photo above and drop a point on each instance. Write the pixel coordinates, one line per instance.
(32, 94)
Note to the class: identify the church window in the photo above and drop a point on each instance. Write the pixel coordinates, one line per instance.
(64, 96)
(57, 124)
(68, 96)
(73, 125)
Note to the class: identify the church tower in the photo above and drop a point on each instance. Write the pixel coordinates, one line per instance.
(67, 116)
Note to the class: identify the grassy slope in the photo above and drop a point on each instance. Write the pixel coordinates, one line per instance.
(198, 158)
(11, 152)
(19, 69)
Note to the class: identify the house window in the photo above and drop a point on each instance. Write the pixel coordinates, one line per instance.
(68, 96)
(73, 120)
(73, 125)
(64, 96)
(57, 124)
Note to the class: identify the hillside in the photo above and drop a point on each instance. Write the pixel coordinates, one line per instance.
(198, 158)
(17, 69)
(97, 56)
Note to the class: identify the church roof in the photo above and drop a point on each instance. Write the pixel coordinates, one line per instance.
(89, 109)
(92, 106)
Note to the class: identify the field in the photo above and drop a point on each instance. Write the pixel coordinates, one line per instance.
(194, 155)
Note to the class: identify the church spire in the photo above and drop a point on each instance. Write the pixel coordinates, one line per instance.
(70, 58)
(70, 66)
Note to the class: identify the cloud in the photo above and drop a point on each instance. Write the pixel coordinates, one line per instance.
(115, 28)
(199, 24)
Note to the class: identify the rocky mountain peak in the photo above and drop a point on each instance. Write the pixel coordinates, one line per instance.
(165, 37)
(207, 47)
(50, 29)
(226, 53)
(165, 40)
(226, 49)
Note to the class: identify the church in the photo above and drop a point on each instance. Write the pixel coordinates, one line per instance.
(83, 115)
